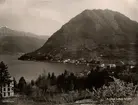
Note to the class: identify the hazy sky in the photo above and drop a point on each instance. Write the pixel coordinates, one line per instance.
(47, 16)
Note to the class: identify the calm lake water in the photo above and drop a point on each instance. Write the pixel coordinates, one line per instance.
(31, 70)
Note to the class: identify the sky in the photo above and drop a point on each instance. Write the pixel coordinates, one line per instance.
(44, 17)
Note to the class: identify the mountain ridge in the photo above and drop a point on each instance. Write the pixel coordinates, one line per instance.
(90, 34)
(12, 41)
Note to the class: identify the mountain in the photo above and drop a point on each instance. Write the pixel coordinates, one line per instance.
(92, 34)
(12, 41)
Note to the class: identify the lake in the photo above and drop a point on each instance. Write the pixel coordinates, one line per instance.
(31, 69)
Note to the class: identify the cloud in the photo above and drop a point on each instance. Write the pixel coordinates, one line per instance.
(47, 16)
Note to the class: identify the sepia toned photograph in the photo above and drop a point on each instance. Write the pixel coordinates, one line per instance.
(68, 52)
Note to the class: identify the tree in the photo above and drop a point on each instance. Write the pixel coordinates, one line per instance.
(71, 81)
(22, 85)
(4, 75)
(29, 89)
(53, 79)
(42, 83)
(49, 76)
(60, 82)
(15, 85)
(32, 82)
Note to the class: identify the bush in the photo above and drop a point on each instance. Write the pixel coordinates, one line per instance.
(116, 92)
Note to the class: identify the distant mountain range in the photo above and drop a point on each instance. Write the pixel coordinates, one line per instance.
(93, 34)
(12, 42)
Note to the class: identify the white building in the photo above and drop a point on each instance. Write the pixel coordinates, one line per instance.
(102, 65)
(8, 89)
(112, 65)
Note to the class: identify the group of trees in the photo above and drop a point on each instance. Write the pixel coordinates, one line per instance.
(98, 83)
(95, 80)
(65, 82)
(68, 81)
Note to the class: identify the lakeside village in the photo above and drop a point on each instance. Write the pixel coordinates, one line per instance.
(95, 61)
(101, 83)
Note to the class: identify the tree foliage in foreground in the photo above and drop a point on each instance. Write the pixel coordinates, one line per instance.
(4, 74)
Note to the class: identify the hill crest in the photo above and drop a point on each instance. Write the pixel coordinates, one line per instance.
(90, 34)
